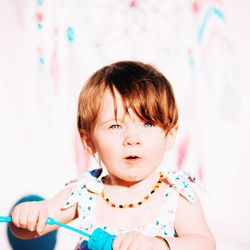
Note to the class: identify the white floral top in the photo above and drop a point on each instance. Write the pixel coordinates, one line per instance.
(86, 189)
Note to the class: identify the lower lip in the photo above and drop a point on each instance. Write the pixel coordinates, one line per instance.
(132, 160)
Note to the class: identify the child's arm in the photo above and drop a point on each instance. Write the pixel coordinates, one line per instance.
(191, 227)
(29, 218)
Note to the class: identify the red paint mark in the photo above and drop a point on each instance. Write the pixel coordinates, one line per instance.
(195, 7)
(133, 3)
(39, 16)
(182, 152)
(82, 157)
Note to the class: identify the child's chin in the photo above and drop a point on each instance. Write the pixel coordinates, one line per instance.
(134, 178)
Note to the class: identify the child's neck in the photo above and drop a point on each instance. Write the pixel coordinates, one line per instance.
(127, 186)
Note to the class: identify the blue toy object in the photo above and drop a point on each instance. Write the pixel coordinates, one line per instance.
(99, 240)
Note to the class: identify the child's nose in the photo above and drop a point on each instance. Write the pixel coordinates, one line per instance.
(132, 138)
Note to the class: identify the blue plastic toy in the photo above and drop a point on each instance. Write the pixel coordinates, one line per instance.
(99, 240)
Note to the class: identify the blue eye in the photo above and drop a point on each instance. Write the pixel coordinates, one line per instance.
(148, 125)
(115, 126)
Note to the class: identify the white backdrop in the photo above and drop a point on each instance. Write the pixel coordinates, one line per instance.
(49, 48)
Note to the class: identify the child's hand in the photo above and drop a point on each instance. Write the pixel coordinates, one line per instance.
(31, 216)
(137, 241)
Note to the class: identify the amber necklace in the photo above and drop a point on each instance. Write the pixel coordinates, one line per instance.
(131, 205)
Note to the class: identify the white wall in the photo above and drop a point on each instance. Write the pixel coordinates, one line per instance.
(209, 72)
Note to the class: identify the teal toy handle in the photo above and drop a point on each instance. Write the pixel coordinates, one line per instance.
(99, 240)
(51, 221)
(5, 219)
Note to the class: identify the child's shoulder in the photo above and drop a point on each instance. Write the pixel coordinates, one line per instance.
(181, 182)
(86, 184)
(89, 180)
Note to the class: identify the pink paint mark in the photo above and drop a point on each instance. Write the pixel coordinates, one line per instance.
(39, 16)
(200, 172)
(182, 152)
(39, 51)
(54, 69)
(55, 31)
(133, 3)
(196, 7)
(82, 157)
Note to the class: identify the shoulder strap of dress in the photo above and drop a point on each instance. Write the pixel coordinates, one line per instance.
(180, 181)
(81, 186)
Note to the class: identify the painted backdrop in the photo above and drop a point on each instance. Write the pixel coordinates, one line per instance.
(49, 48)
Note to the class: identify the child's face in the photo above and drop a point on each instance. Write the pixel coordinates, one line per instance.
(130, 149)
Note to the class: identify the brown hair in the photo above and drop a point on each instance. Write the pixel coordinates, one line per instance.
(142, 88)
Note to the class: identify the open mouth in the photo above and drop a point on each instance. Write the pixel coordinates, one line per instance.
(132, 157)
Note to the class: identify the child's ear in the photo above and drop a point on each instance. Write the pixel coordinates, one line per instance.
(171, 136)
(87, 143)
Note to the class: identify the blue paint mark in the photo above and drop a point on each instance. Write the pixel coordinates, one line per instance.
(191, 61)
(211, 11)
(218, 13)
(39, 26)
(71, 34)
(41, 61)
(40, 2)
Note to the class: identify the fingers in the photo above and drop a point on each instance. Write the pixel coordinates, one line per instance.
(31, 221)
(135, 241)
(129, 241)
(23, 219)
(30, 216)
(19, 216)
(15, 217)
(42, 217)
(119, 239)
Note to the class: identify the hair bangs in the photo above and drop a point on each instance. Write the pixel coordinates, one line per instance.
(145, 100)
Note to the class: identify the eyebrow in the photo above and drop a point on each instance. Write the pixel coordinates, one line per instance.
(109, 120)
